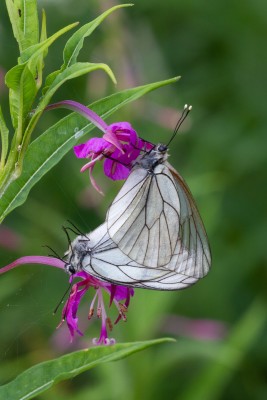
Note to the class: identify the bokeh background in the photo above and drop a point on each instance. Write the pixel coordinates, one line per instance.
(219, 49)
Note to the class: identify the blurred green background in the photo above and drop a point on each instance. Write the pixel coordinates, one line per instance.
(219, 48)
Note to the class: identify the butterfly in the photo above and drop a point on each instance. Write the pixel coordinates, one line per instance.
(97, 254)
(154, 214)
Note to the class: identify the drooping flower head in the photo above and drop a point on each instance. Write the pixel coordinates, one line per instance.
(119, 146)
(119, 295)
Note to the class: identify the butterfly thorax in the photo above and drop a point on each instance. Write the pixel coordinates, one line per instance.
(154, 157)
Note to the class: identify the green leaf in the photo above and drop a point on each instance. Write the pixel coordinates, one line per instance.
(43, 35)
(43, 376)
(22, 86)
(24, 20)
(40, 62)
(4, 139)
(72, 72)
(33, 52)
(49, 148)
(30, 23)
(75, 43)
(49, 80)
(21, 78)
(14, 9)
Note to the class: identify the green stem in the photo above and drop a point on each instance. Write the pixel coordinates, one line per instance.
(8, 175)
(13, 166)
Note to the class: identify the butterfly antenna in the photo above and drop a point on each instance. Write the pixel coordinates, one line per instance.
(54, 253)
(185, 113)
(77, 230)
(144, 149)
(68, 236)
(63, 297)
(68, 228)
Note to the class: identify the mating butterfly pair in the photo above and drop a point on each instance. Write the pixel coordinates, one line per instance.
(153, 236)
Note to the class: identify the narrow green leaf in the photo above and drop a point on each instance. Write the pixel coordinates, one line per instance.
(75, 43)
(43, 376)
(4, 139)
(49, 80)
(40, 62)
(22, 86)
(74, 71)
(32, 53)
(49, 148)
(30, 23)
(13, 76)
(24, 20)
(43, 35)
(15, 15)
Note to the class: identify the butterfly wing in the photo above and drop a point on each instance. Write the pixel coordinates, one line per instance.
(155, 221)
(192, 234)
(107, 262)
(144, 218)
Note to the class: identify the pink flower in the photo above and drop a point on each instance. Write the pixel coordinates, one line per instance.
(119, 295)
(119, 146)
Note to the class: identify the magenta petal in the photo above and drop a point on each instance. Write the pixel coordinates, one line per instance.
(93, 181)
(94, 145)
(115, 171)
(111, 138)
(123, 292)
(80, 150)
(118, 292)
(54, 262)
(71, 307)
(81, 109)
(124, 130)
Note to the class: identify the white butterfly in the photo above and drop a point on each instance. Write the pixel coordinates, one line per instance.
(97, 254)
(154, 219)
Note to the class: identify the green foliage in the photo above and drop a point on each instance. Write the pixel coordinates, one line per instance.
(25, 79)
(43, 376)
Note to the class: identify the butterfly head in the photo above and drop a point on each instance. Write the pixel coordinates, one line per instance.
(161, 149)
(154, 157)
(75, 255)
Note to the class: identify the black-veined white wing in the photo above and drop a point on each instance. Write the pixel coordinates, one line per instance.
(143, 220)
(153, 215)
(192, 235)
(100, 257)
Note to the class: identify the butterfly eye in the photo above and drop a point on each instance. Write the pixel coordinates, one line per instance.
(162, 148)
(70, 269)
